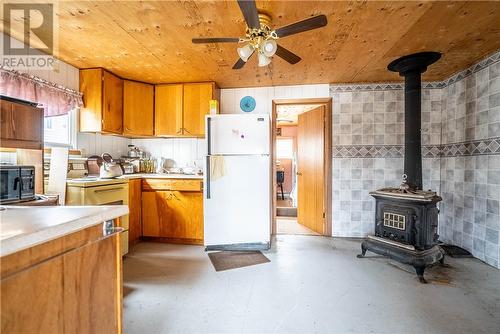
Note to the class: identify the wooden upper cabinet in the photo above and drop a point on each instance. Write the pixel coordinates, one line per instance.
(138, 100)
(180, 109)
(21, 125)
(168, 110)
(196, 106)
(102, 101)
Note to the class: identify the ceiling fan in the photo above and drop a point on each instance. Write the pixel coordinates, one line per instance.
(261, 38)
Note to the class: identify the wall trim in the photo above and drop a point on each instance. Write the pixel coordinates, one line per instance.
(489, 146)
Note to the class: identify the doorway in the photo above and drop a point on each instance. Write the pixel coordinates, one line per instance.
(301, 166)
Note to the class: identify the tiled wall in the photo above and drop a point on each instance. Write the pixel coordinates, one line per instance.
(368, 139)
(96, 144)
(470, 183)
(184, 151)
(461, 150)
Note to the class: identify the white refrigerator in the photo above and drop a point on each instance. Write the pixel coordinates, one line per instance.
(237, 183)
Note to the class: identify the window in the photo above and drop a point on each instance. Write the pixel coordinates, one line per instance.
(284, 148)
(58, 130)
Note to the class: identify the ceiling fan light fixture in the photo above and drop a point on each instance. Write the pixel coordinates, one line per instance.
(245, 52)
(263, 60)
(269, 47)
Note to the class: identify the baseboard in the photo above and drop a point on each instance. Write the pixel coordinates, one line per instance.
(240, 247)
(181, 241)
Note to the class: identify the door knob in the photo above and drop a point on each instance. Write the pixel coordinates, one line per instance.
(299, 174)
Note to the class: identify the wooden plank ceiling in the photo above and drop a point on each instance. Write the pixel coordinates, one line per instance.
(151, 40)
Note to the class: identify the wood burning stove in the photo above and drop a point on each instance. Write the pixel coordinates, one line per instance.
(406, 218)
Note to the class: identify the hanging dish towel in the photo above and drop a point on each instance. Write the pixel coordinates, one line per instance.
(217, 167)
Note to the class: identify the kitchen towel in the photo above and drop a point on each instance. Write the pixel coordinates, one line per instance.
(217, 167)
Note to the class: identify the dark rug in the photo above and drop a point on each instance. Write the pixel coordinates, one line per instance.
(226, 260)
(455, 251)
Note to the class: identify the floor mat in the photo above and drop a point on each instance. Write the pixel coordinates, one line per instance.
(455, 251)
(227, 260)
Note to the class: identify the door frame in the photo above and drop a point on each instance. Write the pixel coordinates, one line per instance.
(327, 103)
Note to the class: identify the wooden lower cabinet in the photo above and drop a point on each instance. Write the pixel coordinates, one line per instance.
(32, 300)
(69, 285)
(174, 215)
(134, 205)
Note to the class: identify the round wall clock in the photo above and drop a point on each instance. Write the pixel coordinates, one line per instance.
(247, 104)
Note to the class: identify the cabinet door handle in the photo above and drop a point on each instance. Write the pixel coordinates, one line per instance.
(106, 190)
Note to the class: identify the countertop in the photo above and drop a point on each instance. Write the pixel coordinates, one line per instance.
(24, 227)
(162, 176)
(89, 182)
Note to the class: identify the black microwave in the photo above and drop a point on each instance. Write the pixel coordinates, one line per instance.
(17, 183)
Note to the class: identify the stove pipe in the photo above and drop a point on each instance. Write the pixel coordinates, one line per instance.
(411, 67)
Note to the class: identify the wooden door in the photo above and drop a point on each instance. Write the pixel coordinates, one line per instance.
(168, 110)
(134, 204)
(310, 169)
(138, 100)
(21, 125)
(112, 103)
(197, 98)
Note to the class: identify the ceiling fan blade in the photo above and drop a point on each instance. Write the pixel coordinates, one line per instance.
(240, 63)
(287, 55)
(301, 26)
(249, 10)
(202, 40)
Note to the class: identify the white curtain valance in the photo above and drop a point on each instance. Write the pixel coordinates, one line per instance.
(54, 99)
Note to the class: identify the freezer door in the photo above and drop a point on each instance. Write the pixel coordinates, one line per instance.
(238, 209)
(238, 134)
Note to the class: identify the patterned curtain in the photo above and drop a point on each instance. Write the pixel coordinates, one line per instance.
(55, 99)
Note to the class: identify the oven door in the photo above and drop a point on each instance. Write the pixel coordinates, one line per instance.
(113, 194)
(10, 182)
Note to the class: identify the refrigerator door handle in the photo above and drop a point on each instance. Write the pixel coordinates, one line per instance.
(209, 135)
(208, 171)
(209, 151)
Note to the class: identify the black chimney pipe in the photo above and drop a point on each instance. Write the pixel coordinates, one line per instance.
(411, 67)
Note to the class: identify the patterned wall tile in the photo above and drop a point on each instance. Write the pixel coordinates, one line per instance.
(476, 147)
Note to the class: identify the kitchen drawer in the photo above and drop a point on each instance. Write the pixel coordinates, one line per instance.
(172, 184)
(106, 195)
